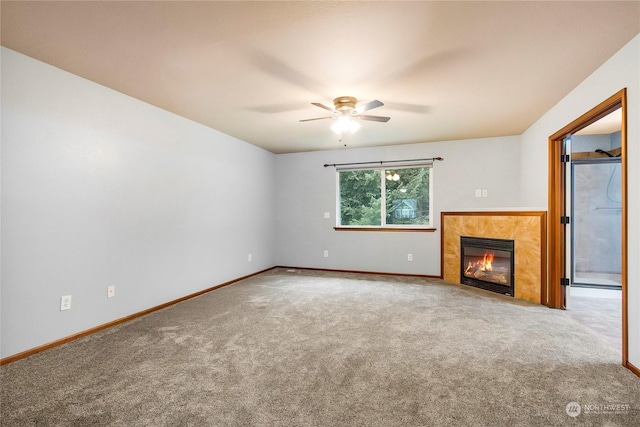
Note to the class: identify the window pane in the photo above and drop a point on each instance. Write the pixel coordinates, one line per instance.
(407, 196)
(360, 195)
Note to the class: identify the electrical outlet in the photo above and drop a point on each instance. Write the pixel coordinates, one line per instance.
(111, 291)
(478, 192)
(326, 254)
(409, 257)
(65, 302)
(249, 258)
(484, 193)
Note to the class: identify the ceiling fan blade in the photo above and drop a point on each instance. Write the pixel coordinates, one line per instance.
(373, 118)
(410, 108)
(317, 104)
(368, 106)
(275, 108)
(317, 118)
(281, 70)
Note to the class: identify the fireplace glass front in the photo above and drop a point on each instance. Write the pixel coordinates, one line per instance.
(487, 264)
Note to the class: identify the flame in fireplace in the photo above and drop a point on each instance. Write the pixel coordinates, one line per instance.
(483, 264)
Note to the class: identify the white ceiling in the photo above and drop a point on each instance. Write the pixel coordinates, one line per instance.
(444, 70)
(607, 125)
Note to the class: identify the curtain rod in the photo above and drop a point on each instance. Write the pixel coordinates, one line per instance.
(382, 162)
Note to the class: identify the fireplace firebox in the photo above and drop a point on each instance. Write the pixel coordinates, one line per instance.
(487, 264)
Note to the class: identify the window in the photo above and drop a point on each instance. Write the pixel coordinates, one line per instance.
(382, 197)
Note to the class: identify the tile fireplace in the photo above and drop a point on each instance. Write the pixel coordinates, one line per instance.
(528, 231)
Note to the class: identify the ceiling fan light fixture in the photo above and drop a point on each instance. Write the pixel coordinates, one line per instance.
(348, 114)
(345, 103)
(344, 124)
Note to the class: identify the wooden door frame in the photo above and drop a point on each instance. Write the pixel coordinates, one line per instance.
(556, 250)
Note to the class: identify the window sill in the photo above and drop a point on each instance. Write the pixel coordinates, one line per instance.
(401, 229)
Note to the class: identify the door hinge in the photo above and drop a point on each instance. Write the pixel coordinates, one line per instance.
(564, 281)
(565, 158)
(565, 220)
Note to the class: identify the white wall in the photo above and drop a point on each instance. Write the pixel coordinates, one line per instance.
(306, 190)
(620, 71)
(591, 143)
(101, 189)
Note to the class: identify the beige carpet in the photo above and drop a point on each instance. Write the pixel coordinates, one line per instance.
(307, 348)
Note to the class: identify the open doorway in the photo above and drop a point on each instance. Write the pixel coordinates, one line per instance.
(573, 271)
(594, 297)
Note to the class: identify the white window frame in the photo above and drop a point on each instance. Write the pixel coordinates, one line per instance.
(383, 201)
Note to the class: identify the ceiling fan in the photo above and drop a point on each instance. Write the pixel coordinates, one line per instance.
(345, 109)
